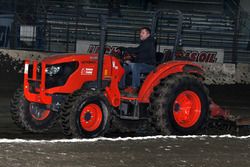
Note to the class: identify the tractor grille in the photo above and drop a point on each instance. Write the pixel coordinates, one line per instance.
(38, 71)
(61, 77)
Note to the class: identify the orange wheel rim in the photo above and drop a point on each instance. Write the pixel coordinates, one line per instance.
(91, 117)
(187, 109)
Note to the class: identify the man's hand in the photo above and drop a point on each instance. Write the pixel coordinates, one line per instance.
(120, 52)
(129, 57)
(121, 49)
(124, 55)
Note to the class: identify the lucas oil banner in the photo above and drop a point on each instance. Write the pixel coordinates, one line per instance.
(204, 55)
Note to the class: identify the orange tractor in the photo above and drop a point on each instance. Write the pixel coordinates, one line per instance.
(82, 91)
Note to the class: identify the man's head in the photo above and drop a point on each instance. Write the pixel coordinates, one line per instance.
(145, 32)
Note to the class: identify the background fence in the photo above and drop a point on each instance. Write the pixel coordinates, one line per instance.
(56, 26)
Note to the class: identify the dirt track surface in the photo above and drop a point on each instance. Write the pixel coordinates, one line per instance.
(183, 152)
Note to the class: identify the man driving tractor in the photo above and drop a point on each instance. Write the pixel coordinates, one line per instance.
(171, 100)
(139, 60)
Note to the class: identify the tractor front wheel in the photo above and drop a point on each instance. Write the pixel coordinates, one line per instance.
(179, 105)
(85, 114)
(33, 117)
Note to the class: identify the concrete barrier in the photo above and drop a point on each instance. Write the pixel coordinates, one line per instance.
(22, 54)
(216, 73)
(12, 60)
(243, 73)
(221, 74)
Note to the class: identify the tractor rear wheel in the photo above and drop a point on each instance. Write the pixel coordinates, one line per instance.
(32, 117)
(179, 105)
(85, 114)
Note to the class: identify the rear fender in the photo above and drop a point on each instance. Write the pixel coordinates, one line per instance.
(165, 70)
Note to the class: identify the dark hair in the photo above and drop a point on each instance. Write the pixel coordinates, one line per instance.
(146, 28)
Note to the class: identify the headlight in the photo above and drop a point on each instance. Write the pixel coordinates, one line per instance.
(52, 70)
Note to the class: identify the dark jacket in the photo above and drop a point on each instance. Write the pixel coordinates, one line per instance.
(145, 52)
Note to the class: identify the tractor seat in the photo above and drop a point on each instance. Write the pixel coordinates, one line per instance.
(161, 58)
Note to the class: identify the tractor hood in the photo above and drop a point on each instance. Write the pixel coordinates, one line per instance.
(57, 59)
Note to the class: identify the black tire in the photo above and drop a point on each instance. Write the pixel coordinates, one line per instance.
(22, 117)
(72, 109)
(162, 102)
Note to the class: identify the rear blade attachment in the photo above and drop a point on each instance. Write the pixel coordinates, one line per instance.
(222, 121)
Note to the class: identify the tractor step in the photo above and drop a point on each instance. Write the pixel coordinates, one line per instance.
(129, 111)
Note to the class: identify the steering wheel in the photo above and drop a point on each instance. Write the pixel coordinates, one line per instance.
(123, 55)
(120, 54)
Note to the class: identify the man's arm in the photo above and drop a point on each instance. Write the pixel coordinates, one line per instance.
(134, 50)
